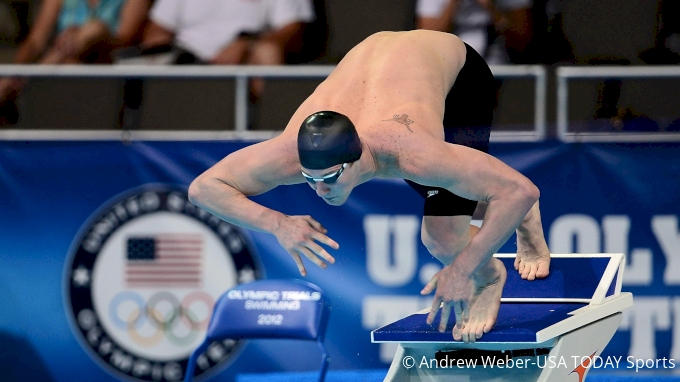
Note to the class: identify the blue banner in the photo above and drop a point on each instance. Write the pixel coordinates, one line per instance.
(107, 272)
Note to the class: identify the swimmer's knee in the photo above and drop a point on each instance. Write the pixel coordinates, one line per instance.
(443, 242)
(443, 248)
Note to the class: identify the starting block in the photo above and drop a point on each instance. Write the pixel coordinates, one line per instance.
(548, 330)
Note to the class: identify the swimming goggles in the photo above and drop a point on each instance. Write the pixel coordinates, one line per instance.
(328, 179)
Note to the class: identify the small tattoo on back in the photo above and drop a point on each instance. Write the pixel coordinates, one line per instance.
(402, 119)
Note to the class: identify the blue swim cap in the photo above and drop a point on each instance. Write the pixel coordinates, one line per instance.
(326, 139)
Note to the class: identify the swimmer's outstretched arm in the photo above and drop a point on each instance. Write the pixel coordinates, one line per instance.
(478, 176)
(223, 190)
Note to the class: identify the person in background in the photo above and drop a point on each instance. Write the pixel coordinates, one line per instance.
(666, 50)
(230, 32)
(9, 27)
(499, 30)
(87, 31)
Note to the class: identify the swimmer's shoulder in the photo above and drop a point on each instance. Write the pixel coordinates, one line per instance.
(441, 41)
(448, 46)
(419, 36)
(440, 47)
(276, 159)
(395, 148)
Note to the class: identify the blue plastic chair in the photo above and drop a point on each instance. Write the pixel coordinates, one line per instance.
(302, 314)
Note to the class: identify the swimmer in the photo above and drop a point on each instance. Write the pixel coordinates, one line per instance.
(413, 105)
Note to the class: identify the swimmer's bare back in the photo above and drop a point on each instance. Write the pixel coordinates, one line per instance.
(391, 81)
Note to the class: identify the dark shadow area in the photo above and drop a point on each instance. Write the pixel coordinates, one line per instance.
(20, 362)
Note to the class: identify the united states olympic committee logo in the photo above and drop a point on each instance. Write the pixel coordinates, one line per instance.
(142, 278)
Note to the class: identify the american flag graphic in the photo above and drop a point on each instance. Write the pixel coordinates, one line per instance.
(164, 261)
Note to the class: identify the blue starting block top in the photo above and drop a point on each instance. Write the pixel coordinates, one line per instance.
(517, 322)
(574, 279)
(529, 307)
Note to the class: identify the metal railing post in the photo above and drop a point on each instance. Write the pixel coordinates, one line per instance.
(241, 103)
(562, 105)
(540, 104)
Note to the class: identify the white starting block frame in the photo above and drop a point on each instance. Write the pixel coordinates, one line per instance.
(551, 354)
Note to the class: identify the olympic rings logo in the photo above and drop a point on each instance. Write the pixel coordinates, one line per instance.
(165, 324)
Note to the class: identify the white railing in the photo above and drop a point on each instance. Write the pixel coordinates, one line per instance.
(240, 74)
(539, 74)
(564, 74)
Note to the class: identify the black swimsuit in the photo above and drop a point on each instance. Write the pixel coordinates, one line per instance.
(467, 121)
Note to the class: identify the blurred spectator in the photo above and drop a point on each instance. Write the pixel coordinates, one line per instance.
(499, 30)
(8, 24)
(230, 32)
(674, 126)
(86, 32)
(667, 48)
(220, 32)
(549, 45)
(610, 116)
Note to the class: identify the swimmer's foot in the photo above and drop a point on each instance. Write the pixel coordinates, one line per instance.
(533, 256)
(484, 305)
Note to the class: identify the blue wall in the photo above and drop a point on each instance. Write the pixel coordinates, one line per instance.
(594, 198)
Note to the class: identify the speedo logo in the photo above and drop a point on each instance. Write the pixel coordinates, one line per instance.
(432, 193)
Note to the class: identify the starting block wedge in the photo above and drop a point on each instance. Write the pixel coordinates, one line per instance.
(547, 329)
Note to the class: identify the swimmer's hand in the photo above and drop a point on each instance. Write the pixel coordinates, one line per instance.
(455, 290)
(299, 235)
